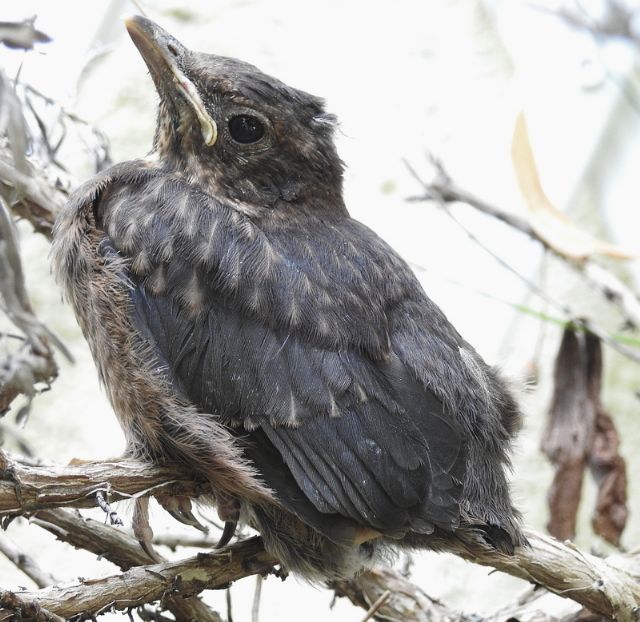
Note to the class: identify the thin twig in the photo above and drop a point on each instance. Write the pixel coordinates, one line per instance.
(376, 606)
(9, 430)
(101, 148)
(255, 607)
(141, 9)
(229, 604)
(443, 191)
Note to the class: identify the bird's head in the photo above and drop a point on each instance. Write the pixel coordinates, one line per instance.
(237, 131)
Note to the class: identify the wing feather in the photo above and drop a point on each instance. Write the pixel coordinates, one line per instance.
(246, 326)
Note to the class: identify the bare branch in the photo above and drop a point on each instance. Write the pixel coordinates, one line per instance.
(409, 603)
(561, 568)
(406, 602)
(113, 544)
(26, 488)
(144, 584)
(603, 586)
(119, 548)
(21, 609)
(25, 563)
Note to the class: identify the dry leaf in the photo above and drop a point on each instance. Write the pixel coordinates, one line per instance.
(548, 222)
(568, 436)
(607, 466)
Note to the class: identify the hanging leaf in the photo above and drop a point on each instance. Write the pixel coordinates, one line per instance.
(607, 466)
(581, 433)
(568, 435)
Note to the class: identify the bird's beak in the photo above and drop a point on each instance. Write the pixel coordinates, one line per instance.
(164, 56)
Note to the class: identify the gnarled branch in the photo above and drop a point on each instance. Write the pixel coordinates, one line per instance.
(603, 587)
(26, 487)
(143, 584)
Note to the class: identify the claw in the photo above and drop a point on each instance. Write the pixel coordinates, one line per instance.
(180, 508)
(147, 547)
(141, 528)
(227, 533)
(187, 518)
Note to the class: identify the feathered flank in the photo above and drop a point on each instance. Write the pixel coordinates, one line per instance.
(157, 421)
(244, 325)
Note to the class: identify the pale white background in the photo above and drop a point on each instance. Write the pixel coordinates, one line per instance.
(404, 77)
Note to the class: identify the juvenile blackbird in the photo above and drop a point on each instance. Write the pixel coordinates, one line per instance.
(245, 326)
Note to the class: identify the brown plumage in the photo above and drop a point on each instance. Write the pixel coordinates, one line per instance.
(244, 325)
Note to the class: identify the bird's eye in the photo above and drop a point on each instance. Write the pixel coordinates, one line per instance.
(246, 129)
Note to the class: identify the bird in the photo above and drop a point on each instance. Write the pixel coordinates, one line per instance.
(247, 328)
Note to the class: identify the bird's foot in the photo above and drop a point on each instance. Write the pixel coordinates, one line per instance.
(141, 528)
(227, 533)
(229, 512)
(180, 508)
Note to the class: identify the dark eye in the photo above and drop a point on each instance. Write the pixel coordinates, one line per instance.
(246, 129)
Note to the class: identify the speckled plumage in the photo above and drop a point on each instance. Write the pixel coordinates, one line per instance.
(246, 326)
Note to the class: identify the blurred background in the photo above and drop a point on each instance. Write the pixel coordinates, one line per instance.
(408, 80)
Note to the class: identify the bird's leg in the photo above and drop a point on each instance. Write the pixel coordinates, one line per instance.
(364, 534)
(229, 512)
(180, 508)
(141, 528)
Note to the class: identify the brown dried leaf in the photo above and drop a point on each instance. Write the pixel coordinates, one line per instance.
(568, 436)
(607, 466)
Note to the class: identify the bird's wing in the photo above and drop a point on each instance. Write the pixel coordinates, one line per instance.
(356, 433)
(361, 440)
